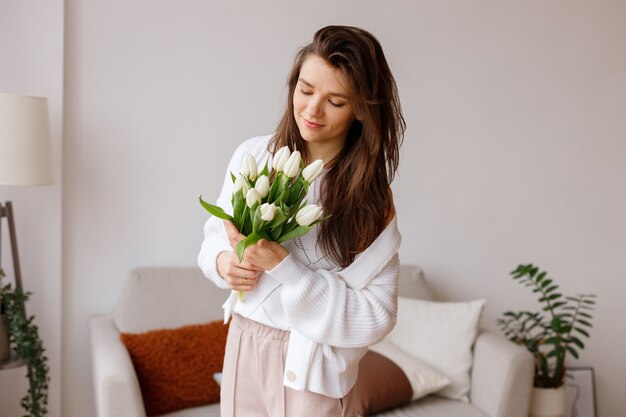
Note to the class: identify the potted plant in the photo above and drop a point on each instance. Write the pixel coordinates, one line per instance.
(550, 334)
(25, 341)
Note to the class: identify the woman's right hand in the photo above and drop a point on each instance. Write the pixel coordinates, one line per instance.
(240, 276)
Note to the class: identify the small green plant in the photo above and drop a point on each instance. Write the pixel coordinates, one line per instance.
(25, 341)
(553, 332)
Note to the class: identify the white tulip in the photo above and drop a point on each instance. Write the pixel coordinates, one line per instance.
(313, 170)
(262, 185)
(280, 158)
(249, 168)
(309, 214)
(292, 166)
(267, 211)
(241, 184)
(252, 197)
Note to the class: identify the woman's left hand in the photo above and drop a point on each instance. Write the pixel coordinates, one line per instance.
(265, 254)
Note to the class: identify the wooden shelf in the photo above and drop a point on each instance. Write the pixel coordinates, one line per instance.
(13, 362)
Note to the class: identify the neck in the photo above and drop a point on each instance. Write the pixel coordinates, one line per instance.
(323, 151)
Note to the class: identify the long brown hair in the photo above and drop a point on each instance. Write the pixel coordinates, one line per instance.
(355, 189)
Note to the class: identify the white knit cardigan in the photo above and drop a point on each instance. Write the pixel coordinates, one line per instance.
(332, 314)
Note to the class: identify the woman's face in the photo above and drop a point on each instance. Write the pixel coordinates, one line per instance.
(321, 106)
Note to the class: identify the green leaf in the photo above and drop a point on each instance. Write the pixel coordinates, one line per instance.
(540, 277)
(581, 331)
(265, 170)
(278, 220)
(552, 354)
(565, 329)
(551, 288)
(248, 220)
(233, 177)
(552, 341)
(239, 205)
(572, 351)
(25, 341)
(294, 233)
(577, 342)
(215, 210)
(246, 224)
(256, 219)
(276, 232)
(584, 322)
(250, 240)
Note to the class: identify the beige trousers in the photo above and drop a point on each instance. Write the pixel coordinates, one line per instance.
(252, 378)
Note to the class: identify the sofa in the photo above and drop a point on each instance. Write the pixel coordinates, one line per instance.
(170, 297)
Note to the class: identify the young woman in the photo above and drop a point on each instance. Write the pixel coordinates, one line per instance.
(314, 304)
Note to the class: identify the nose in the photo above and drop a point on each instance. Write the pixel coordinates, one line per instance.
(314, 107)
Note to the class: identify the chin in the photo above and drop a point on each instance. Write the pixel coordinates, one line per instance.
(311, 137)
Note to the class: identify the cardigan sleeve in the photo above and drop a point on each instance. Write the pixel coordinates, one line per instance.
(215, 237)
(324, 308)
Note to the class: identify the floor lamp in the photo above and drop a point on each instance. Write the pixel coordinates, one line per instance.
(25, 156)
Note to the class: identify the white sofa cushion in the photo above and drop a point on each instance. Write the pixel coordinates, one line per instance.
(442, 335)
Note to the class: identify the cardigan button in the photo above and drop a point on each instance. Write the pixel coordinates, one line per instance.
(291, 376)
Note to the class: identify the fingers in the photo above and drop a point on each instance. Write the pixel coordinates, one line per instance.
(233, 234)
(246, 264)
(265, 254)
(240, 276)
(239, 272)
(242, 284)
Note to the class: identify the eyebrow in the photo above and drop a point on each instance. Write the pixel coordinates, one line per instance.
(308, 84)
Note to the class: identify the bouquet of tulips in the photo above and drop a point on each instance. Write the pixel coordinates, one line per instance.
(272, 207)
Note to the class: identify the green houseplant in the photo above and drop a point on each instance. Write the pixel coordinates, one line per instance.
(552, 333)
(25, 341)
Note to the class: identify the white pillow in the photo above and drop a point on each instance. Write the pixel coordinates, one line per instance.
(424, 379)
(442, 335)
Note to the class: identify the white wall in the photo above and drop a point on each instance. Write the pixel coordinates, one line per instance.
(515, 150)
(31, 63)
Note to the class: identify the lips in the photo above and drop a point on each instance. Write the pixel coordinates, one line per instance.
(311, 125)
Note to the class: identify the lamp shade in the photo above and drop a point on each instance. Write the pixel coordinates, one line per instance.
(25, 148)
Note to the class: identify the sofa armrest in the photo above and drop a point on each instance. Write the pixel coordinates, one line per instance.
(502, 376)
(116, 386)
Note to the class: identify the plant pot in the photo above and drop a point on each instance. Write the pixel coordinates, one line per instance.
(548, 402)
(5, 351)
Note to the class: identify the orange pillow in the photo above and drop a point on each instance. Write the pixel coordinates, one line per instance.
(175, 366)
